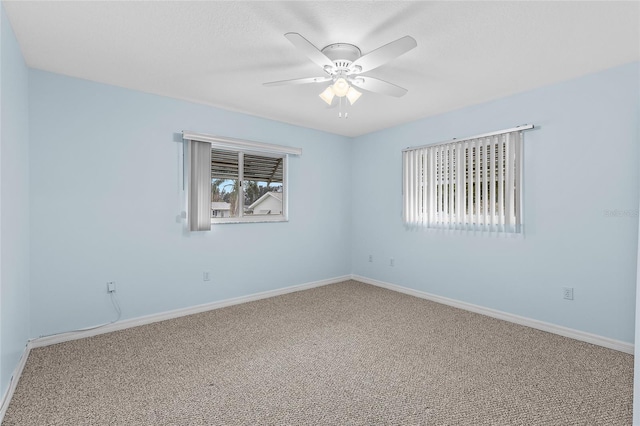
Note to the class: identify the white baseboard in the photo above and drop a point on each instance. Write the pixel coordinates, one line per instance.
(529, 322)
(162, 316)
(147, 319)
(13, 383)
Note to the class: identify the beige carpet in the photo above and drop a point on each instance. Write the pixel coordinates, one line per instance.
(343, 354)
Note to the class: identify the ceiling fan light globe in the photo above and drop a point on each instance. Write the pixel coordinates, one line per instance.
(340, 87)
(327, 95)
(353, 95)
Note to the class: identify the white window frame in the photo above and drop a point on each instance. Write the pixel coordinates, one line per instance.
(242, 218)
(446, 187)
(243, 147)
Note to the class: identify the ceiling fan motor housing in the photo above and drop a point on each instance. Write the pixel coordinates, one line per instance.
(342, 55)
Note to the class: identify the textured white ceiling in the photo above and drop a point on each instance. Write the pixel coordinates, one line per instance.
(220, 53)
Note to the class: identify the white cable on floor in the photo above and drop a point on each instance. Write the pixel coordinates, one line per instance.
(116, 306)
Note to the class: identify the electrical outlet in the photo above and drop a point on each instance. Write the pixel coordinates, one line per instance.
(111, 287)
(392, 262)
(567, 293)
(371, 258)
(206, 276)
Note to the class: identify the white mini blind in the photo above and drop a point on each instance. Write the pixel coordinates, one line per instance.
(470, 184)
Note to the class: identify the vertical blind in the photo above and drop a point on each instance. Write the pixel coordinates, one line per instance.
(471, 184)
(199, 186)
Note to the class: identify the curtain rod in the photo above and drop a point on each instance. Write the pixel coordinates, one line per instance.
(484, 135)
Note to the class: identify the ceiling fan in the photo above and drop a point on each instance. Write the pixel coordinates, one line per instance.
(344, 64)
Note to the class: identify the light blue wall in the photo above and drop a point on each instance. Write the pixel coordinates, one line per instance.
(14, 203)
(96, 217)
(106, 192)
(581, 161)
(636, 358)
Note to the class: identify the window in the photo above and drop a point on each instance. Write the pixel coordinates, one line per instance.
(233, 181)
(471, 184)
(247, 186)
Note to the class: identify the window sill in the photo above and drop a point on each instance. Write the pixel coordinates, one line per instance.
(469, 231)
(262, 219)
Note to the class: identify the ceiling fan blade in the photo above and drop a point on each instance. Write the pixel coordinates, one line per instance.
(309, 50)
(383, 54)
(378, 86)
(298, 81)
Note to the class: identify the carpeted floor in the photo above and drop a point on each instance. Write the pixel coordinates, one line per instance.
(343, 354)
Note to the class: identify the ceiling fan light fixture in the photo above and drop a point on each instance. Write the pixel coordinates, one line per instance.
(353, 95)
(340, 87)
(327, 95)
